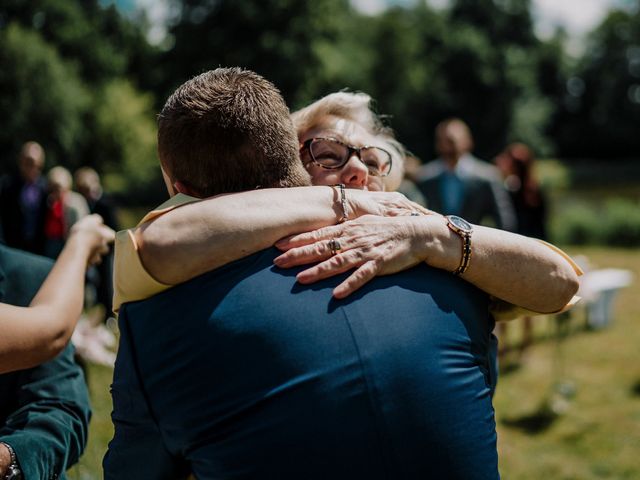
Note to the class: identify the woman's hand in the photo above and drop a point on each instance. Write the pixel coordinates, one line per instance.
(373, 245)
(384, 204)
(91, 233)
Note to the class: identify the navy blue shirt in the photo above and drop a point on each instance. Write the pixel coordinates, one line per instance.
(242, 373)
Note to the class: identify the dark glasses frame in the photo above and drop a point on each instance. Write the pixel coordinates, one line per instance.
(351, 150)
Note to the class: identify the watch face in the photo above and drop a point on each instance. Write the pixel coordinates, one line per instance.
(460, 223)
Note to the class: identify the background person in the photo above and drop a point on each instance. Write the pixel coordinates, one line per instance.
(44, 407)
(457, 183)
(87, 182)
(517, 166)
(64, 208)
(38, 333)
(23, 201)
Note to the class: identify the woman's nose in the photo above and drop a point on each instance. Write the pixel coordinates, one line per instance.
(354, 174)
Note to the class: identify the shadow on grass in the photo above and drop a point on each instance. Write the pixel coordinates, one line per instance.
(635, 389)
(535, 422)
(507, 368)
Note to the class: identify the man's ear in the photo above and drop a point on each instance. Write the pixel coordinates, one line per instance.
(184, 189)
(167, 182)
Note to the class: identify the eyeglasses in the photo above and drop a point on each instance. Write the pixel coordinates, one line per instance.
(333, 154)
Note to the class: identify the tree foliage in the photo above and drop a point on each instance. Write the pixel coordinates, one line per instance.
(68, 77)
(280, 39)
(601, 112)
(81, 78)
(42, 97)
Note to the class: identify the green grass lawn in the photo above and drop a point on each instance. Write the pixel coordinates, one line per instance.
(596, 437)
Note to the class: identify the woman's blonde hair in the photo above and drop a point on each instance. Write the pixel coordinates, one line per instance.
(357, 108)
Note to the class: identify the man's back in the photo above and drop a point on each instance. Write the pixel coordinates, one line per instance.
(242, 373)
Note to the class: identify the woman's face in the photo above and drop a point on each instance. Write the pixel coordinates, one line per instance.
(354, 173)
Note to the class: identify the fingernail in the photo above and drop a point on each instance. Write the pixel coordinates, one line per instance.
(279, 261)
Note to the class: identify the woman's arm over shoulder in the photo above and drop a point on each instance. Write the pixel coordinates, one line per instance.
(522, 270)
(202, 236)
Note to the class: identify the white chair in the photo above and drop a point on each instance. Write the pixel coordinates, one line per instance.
(598, 289)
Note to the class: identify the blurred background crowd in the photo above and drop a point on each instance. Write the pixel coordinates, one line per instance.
(86, 79)
(550, 117)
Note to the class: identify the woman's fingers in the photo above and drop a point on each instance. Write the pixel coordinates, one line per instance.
(103, 238)
(305, 254)
(294, 241)
(371, 245)
(398, 212)
(357, 279)
(307, 238)
(333, 266)
(95, 259)
(108, 234)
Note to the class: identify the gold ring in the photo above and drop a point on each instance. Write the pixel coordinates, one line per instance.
(334, 246)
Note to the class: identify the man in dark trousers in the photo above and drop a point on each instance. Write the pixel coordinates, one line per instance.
(243, 373)
(44, 411)
(23, 198)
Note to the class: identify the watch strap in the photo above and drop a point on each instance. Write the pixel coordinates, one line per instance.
(465, 259)
(465, 236)
(13, 470)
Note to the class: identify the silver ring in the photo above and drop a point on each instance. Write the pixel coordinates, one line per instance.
(334, 246)
(415, 214)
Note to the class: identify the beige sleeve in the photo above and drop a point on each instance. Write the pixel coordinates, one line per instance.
(131, 281)
(564, 255)
(504, 311)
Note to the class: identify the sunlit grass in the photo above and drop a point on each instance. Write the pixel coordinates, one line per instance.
(598, 436)
(100, 429)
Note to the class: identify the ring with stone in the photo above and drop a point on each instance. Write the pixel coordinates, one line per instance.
(334, 246)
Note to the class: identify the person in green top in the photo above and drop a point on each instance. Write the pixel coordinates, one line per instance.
(44, 403)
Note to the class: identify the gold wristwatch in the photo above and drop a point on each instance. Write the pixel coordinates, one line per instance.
(464, 229)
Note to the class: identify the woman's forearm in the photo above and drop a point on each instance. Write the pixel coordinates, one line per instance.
(199, 237)
(514, 268)
(517, 269)
(202, 236)
(34, 334)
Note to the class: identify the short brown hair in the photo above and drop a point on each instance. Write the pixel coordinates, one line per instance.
(229, 130)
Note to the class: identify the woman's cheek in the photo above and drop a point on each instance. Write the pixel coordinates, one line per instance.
(375, 184)
(321, 176)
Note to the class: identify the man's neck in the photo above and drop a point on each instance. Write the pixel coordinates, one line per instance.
(452, 162)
